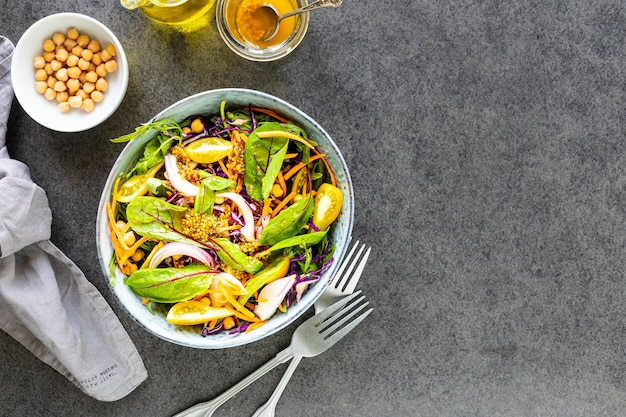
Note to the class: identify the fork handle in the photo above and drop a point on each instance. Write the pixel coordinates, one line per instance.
(207, 408)
(268, 408)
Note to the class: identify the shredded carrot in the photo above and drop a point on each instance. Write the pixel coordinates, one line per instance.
(297, 167)
(244, 311)
(267, 208)
(134, 248)
(283, 203)
(145, 301)
(270, 113)
(333, 181)
(239, 186)
(281, 182)
(281, 134)
(254, 326)
(212, 324)
(226, 171)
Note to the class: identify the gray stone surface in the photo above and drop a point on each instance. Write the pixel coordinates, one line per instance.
(486, 145)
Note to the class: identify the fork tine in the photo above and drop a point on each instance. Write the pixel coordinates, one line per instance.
(343, 278)
(351, 284)
(332, 309)
(347, 329)
(335, 280)
(340, 318)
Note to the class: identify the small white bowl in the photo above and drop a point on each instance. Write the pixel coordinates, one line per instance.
(46, 112)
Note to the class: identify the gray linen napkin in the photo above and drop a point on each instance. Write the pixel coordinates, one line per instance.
(46, 303)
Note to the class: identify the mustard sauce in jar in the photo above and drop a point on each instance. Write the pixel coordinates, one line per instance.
(253, 23)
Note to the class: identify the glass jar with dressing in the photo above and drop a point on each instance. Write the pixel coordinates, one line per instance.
(244, 27)
(171, 12)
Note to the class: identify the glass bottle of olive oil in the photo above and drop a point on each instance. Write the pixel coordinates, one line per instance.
(171, 12)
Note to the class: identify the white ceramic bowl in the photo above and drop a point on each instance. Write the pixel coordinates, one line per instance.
(35, 104)
(208, 103)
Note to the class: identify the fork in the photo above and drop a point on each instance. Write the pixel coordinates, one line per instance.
(311, 338)
(340, 286)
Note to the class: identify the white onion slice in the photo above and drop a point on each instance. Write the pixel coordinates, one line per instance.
(272, 295)
(247, 230)
(227, 280)
(179, 248)
(178, 182)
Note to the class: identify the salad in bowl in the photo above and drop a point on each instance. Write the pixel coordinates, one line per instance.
(223, 218)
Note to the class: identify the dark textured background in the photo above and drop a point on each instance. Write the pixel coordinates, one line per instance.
(486, 145)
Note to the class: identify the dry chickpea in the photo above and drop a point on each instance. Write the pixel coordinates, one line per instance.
(101, 84)
(62, 75)
(64, 106)
(51, 81)
(58, 38)
(48, 69)
(111, 49)
(39, 62)
(75, 101)
(106, 55)
(74, 72)
(137, 256)
(62, 55)
(41, 87)
(101, 70)
(48, 45)
(88, 105)
(72, 60)
(60, 86)
(92, 67)
(72, 33)
(91, 77)
(73, 85)
(83, 64)
(94, 46)
(48, 56)
(77, 50)
(86, 54)
(89, 87)
(50, 94)
(82, 40)
(41, 75)
(111, 66)
(81, 78)
(69, 44)
(62, 96)
(96, 59)
(56, 65)
(97, 96)
(83, 95)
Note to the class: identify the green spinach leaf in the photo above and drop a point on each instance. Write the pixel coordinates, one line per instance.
(263, 159)
(233, 256)
(288, 222)
(171, 285)
(305, 240)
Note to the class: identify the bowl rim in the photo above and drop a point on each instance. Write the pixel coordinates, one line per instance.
(263, 55)
(121, 291)
(23, 91)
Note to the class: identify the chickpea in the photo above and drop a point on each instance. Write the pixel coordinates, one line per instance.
(82, 41)
(62, 55)
(106, 55)
(83, 64)
(91, 77)
(111, 49)
(82, 94)
(48, 56)
(72, 33)
(186, 130)
(74, 72)
(48, 69)
(101, 84)
(59, 86)
(137, 256)
(48, 45)
(228, 323)
(64, 107)
(86, 54)
(50, 94)
(72, 61)
(88, 105)
(41, 75)
(196, 125)
(56, 65)
(277, 191)
(77, 50)
(129, 238)
(51, 81)
(94, 45)
(89, 87)
(69, 44)
(39, 62)
(75, 101)
(131, 267)
(58, 38)
(101, 70)
(97, 96)
(97, 58)
(41, 86)
(73, 85)
(62, 74)
(62, 96)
